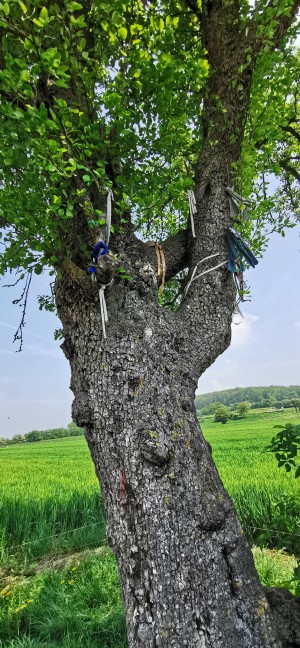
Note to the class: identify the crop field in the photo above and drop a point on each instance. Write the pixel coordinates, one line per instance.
(267, 499)
(50, 499)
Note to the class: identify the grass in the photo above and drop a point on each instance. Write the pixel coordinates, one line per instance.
(79, 603)
(50, 498)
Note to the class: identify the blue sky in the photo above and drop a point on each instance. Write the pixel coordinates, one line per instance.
(265, 349)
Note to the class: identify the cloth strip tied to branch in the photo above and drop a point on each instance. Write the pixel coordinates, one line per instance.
(161, 263)
(110, 198)
(235, 203)
(193, 209)
(238, 249)
(193, 277)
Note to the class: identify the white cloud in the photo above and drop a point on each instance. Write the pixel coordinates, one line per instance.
(243, 329)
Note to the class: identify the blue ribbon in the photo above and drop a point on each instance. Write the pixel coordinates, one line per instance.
(238, 250)
(99, 250)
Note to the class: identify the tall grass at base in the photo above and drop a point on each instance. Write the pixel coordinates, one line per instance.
(80, 604)
(275, 568)
(77, 606)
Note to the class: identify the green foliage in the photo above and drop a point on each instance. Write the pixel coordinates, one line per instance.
(222, 414)
(45, 435)
(113, 93)
(210, 409)
(285, 446)
(296, 404)
(243, 408)
(258, 396)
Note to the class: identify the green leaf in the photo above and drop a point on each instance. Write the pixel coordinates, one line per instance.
(122, 32)
(86, 178)
(117, 19)
(6, 9)
(25, 75)
(23, 7)
(74, 6)
(43, 14)
(82, 44)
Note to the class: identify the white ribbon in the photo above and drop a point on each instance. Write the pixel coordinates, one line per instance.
(110, 197)
(193, 209)
(103, 309)
(235, 202)
(193, 277)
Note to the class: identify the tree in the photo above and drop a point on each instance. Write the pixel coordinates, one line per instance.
(18, 438)
(210, 409)
(147, 100)
(296, 404)
(243, 408)
(222, 414)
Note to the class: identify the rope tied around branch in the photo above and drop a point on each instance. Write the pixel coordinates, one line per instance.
(194, 276)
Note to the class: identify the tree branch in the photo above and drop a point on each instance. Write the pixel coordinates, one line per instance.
(292, 131)
(282, 20)
(290, 169)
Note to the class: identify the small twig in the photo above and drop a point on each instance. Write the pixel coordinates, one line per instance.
(22, 301)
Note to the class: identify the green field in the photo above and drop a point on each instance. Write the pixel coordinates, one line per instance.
(266, 497)
(50, 499)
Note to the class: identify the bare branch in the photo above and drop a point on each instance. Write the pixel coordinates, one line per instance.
(22, 301)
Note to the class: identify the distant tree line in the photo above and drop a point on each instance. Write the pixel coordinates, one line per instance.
(273, 396)
(44, 435)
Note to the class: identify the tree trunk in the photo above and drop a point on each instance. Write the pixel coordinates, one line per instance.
(187, 573)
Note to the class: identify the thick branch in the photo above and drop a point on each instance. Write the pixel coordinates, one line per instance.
(290, 169)
(292, 131)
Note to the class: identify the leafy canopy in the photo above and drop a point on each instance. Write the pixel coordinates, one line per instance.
(102, 94)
